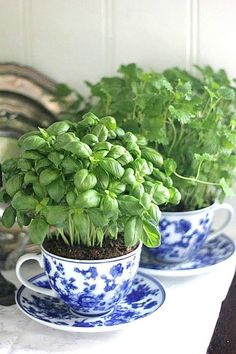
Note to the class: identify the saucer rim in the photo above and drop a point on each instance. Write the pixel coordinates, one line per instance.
(194, 271)
(90, 329)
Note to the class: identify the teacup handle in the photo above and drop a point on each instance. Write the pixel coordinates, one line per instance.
(38, 289)
(230, 210)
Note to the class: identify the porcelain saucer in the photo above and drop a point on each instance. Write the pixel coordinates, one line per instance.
(145, 297)
(211, 255)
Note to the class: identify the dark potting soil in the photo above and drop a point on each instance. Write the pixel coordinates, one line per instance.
(181, 207)
(110, 249)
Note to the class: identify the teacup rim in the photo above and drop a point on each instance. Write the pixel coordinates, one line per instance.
(190, 212)
(93, 261)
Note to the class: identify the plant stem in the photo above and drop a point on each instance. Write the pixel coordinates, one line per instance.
(199, 169)
(191, 179)
(64, 237)
(174, 136)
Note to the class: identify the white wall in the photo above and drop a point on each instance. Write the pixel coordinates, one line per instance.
(74, 40)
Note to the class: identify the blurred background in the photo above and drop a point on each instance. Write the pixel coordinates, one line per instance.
(75, 40)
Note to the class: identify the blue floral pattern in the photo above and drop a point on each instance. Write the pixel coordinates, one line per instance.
(182, 237)
(91, 287)
(212, 253)
(145, 297)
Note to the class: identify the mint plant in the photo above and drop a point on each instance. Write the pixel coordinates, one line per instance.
(190, 120)
(85, 181)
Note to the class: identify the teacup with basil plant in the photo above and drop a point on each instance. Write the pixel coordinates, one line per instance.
(88, 193)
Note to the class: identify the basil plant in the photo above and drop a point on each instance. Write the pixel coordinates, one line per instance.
(86, 181)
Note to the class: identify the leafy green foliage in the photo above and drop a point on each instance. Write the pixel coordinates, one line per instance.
(191, 120)
(88, 181)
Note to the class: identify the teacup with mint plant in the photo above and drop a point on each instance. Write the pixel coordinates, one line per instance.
(190, 120)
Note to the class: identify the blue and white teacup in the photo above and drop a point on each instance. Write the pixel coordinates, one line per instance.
(88, 287)
(183, 233)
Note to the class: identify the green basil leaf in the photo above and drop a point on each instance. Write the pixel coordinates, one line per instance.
(146, 200)
(102, 178)
(47, 176)
(101, 132)
(141, 166)
(151, 236)
(159, 175)
(169, 166)
(56, 189)
(22, 219)
(8, 217)
(116, 151)
(71, 165)
(130, 205)
(32, 155)
(9, 165)
(24, 165)
(130, 138)
(79, 149)
(152, 155)
(161, 194)
(134, 149)
(99, 155)
(59, 128)
(175, 196)
(109, 206)
(24, 203)
(39, 190)
(100, 235)
(88, 119)
(137, 190)
(111, 135)
(26, 135)
(84, 180)
(40, 164)
(104, 145)
(154, 212)
(125, 158)
(109, 122)
(4, 197)
(82, 225)
(71, 198)
(128, 176)
(112, 166)
(97, 217)
(64, 139)
(13, 185)
(120, 132)
(168, 182)
(113, 230)
(90, 139)
(32, 142)
(117, 187)
(30, 177)
(133, 231)
(88, 199)
(56, 158)
(55, 214)
(38, 230)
